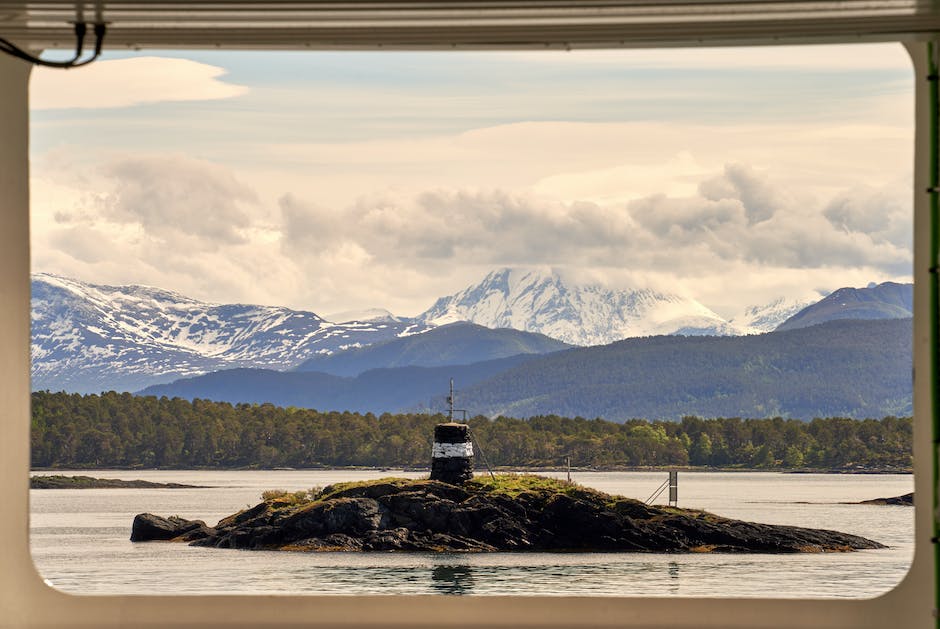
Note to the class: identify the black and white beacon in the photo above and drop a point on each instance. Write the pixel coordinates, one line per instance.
(452, 452)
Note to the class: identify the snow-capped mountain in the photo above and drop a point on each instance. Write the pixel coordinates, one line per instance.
(370, 314)
(889, 300)
(766, 318)
(88, 338)
(543, 300)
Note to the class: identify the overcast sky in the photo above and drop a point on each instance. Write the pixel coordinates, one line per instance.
(338, 181)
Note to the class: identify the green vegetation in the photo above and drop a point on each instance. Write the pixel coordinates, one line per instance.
(513, 485)
(337, 488)
(120, 430)
(510, 485)
(290, 498)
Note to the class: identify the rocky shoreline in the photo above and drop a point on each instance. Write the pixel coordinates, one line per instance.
(907, 500)
(508, 513)
(88, 482)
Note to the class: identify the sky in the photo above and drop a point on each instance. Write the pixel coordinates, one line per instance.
(332, 181)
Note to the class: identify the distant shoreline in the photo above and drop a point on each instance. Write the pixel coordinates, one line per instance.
(499, 469)
(87, 482)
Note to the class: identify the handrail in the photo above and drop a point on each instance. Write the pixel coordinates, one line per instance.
(659, 491)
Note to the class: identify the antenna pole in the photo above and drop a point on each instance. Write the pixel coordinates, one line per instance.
(450, 400)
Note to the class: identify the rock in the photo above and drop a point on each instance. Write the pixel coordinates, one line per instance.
(521, 514)
(57, 481)
(148, 527)
(906, 500)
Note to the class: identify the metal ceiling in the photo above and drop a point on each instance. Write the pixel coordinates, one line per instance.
(415, 24)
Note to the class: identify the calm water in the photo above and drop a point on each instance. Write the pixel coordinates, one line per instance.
(79, 542)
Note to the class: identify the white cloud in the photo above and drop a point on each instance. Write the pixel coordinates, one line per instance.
(178, 196)
(199, 228)
(677, 174)
(578, 161)
(739, 219)
(300, 195)
(882, 213)
(129, 82)
(396, 221)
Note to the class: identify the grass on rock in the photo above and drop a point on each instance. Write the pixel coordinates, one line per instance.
(511, 485)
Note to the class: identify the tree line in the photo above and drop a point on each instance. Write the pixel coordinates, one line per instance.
(126, 431)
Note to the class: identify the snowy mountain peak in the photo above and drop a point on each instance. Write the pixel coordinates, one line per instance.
(766, 318)
(90, 337)
(103, 295)
(544, 300)
(369, 314)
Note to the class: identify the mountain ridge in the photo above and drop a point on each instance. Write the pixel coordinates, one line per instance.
(888, 300)
(375, 391)
(90, 337)
(839, 368)
(850, 368)
(459, 343)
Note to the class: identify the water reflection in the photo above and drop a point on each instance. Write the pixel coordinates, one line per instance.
(452, 579)
(673, 570)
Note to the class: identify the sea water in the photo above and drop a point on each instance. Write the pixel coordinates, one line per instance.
(79, 540)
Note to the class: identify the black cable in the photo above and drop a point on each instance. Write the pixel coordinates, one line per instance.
(473, 439)
(80, 29)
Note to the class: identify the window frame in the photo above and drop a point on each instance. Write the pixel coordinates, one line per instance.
(25, 600)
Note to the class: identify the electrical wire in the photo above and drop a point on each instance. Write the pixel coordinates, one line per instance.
(75, 62)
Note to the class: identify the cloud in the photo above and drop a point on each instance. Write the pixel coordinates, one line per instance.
(737, 185)
(178, 196)
(738, 182)
(739, 215)
(684, 219)
(458, 227)
(881, 212)
(731, 236)
(675, 174)
(740, 240)
(129, 82)
(164, 220)
(83, 243)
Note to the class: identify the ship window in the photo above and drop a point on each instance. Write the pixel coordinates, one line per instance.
(703, 197)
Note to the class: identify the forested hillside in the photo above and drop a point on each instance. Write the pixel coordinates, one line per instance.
(454, 344)
(376, 390)
(840, 368)
(122, 430)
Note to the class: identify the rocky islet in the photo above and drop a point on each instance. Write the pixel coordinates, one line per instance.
(510, 513)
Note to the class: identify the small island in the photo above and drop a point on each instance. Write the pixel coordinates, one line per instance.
(907, 500)
(505, 513)
(58, 481)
